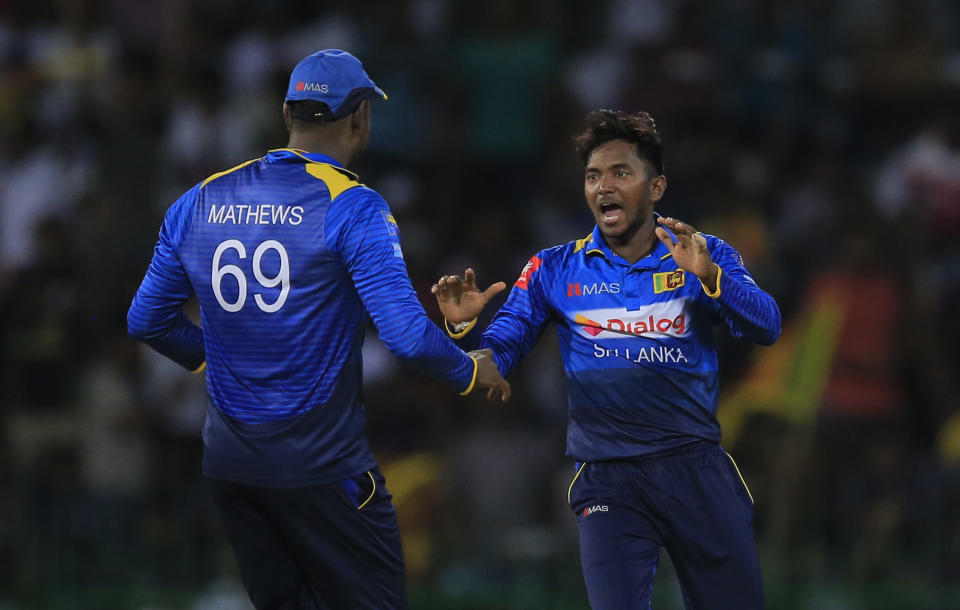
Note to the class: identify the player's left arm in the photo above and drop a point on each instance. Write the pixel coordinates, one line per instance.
(749, 311)
(367, 239)
(156, 314)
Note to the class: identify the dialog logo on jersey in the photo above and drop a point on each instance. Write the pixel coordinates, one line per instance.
(590, 327)
(670, 280)
(576, 289)
(528, 270)
(660, 319)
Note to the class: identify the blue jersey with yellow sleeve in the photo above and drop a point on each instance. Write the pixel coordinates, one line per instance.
(287, 254)
(636, 341)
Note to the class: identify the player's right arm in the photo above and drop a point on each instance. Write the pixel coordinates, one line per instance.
(367, 240)
(517, 325)
(156, 314)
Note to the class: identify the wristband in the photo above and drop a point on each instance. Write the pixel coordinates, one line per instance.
(459, 329)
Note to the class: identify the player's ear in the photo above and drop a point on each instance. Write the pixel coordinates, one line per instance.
(287, 119)
(657, 187)
(360, 118)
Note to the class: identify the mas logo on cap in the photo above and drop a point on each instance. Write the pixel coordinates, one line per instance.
(334, 78)
(321, 87)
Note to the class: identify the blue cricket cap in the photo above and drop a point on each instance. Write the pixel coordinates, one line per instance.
(335, 79)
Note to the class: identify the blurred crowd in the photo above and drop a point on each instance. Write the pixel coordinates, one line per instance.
(821, 139)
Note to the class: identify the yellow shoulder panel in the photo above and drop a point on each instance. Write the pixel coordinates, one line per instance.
(225, 172)
(581, 243)
(336, 181)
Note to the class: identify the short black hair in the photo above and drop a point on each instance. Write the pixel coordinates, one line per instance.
(639, 128)
(310, 111)
(314, 111)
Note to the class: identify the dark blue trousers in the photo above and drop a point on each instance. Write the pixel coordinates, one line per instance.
(691, 501)
(321, 547)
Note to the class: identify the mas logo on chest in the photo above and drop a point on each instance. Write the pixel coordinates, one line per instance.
(666, 281)
(578, 289)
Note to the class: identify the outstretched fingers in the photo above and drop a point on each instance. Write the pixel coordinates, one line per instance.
(683, 234)
(453, 284)
(470, 283)
(678, 227)
(447, 287)
(493, 291)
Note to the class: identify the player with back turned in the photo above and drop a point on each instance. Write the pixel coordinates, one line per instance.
(635, 303)
(287, 255)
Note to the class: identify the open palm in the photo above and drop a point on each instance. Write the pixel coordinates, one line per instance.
(688, 248)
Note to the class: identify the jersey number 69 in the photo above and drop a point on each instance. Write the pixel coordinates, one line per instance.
(282, 278)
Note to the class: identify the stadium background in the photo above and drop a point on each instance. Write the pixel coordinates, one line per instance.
(820, 138)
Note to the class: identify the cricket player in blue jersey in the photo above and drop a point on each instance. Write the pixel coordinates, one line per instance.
(635, 303)
(287, 255)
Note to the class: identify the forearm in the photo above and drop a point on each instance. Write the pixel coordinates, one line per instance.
(156, 313)
(176, 337)
(408, 333)
(507, 337)
(369, 247)
(510, 336)
(754, 314)
(515, 328)
(424, 347)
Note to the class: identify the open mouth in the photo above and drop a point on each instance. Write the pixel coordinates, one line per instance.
(610, 212)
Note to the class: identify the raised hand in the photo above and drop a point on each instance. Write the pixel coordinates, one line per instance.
(488, 375)
(459, 299)
(689, 251)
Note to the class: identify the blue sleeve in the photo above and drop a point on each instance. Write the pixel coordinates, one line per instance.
(366, 237)
(520, 322)
(156, 315)
(748, 311)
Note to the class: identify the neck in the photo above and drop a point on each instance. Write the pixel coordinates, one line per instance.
(636, 243)
(324, 146)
